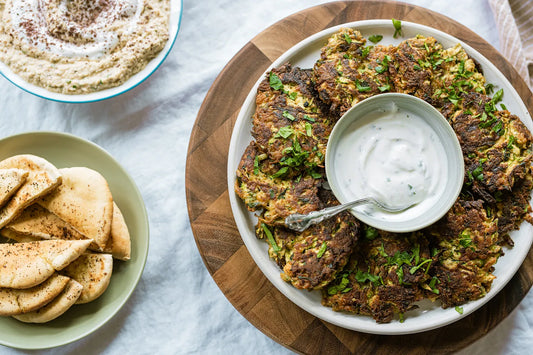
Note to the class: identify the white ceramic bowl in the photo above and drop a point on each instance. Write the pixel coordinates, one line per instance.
(421, 214)
(176, 9)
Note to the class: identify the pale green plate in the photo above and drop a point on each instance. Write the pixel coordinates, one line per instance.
(64, 150)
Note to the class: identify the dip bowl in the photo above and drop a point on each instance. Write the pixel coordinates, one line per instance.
(176, 9)
(345, 151)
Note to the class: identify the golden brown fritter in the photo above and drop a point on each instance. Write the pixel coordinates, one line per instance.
(412, 72)
(311, 259)
(512, 207)
(468, 245)
(289, 124)
(382, 277)
(259, 185)
(348, 72)
(496, 145)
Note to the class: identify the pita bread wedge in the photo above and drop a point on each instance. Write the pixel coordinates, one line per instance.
(18, 237)
(93, 272)
(42, 178)
(24, 265)
(10, 181)
(119, 242)
(39, 223)
(56, 307)
(13, 301)
(84, 201)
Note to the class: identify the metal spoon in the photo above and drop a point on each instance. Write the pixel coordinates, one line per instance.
(300, 222)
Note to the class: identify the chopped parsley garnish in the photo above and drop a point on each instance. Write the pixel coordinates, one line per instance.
(362, 86)
(292, 95)
(340, 287)
(270, 238)
(385, 87)
(361, 277)
(256, 165)
(397, 27)
(275, 82)
(497, 96)
(365, 51)
(415, 268)
(477, 173)
(310, 119)
(315, 175)
(288, 115)
(432, 283)
(308, 129)
(284, 132)
(375, 38)
(459, 309)
(347, 38)
(371, 233)
(280, 172)
(489, 88)
(322, 250)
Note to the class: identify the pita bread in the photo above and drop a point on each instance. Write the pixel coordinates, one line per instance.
(93, 272)
(18, 237)
(57, 307)
(39, 223)
(13, 301)
(36, 223)
(24, 265)
(10, 181)
(84, 201)
(42, 178)
(119, 242)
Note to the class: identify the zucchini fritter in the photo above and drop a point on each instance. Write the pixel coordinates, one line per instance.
(496, 145)
(260, 187)
(348, 72)
(289, 124)
(311, 259)
(382, 276)
(468, 245)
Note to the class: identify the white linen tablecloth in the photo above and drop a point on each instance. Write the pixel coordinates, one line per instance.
(177, 308)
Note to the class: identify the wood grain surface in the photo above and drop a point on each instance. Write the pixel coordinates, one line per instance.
(214, 229)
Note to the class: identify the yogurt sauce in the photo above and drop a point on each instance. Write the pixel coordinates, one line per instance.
(394, 156)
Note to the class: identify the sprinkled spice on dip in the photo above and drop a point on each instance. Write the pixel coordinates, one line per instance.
(81, 46)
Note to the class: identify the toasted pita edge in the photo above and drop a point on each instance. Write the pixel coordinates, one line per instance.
(93, 272)
(14, 301)
(119, 243)
(11, 180)
(56, 307)
(42, 178)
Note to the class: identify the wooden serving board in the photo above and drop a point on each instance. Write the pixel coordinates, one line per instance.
(219, 242)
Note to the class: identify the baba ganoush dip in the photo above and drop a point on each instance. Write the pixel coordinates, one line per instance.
(81, 46)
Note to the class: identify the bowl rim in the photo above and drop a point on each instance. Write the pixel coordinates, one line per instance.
(30, 88)
(455, 161)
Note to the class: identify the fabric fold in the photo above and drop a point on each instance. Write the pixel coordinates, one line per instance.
(514, 19)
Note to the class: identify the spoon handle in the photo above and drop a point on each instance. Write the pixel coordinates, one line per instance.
(300, 222)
